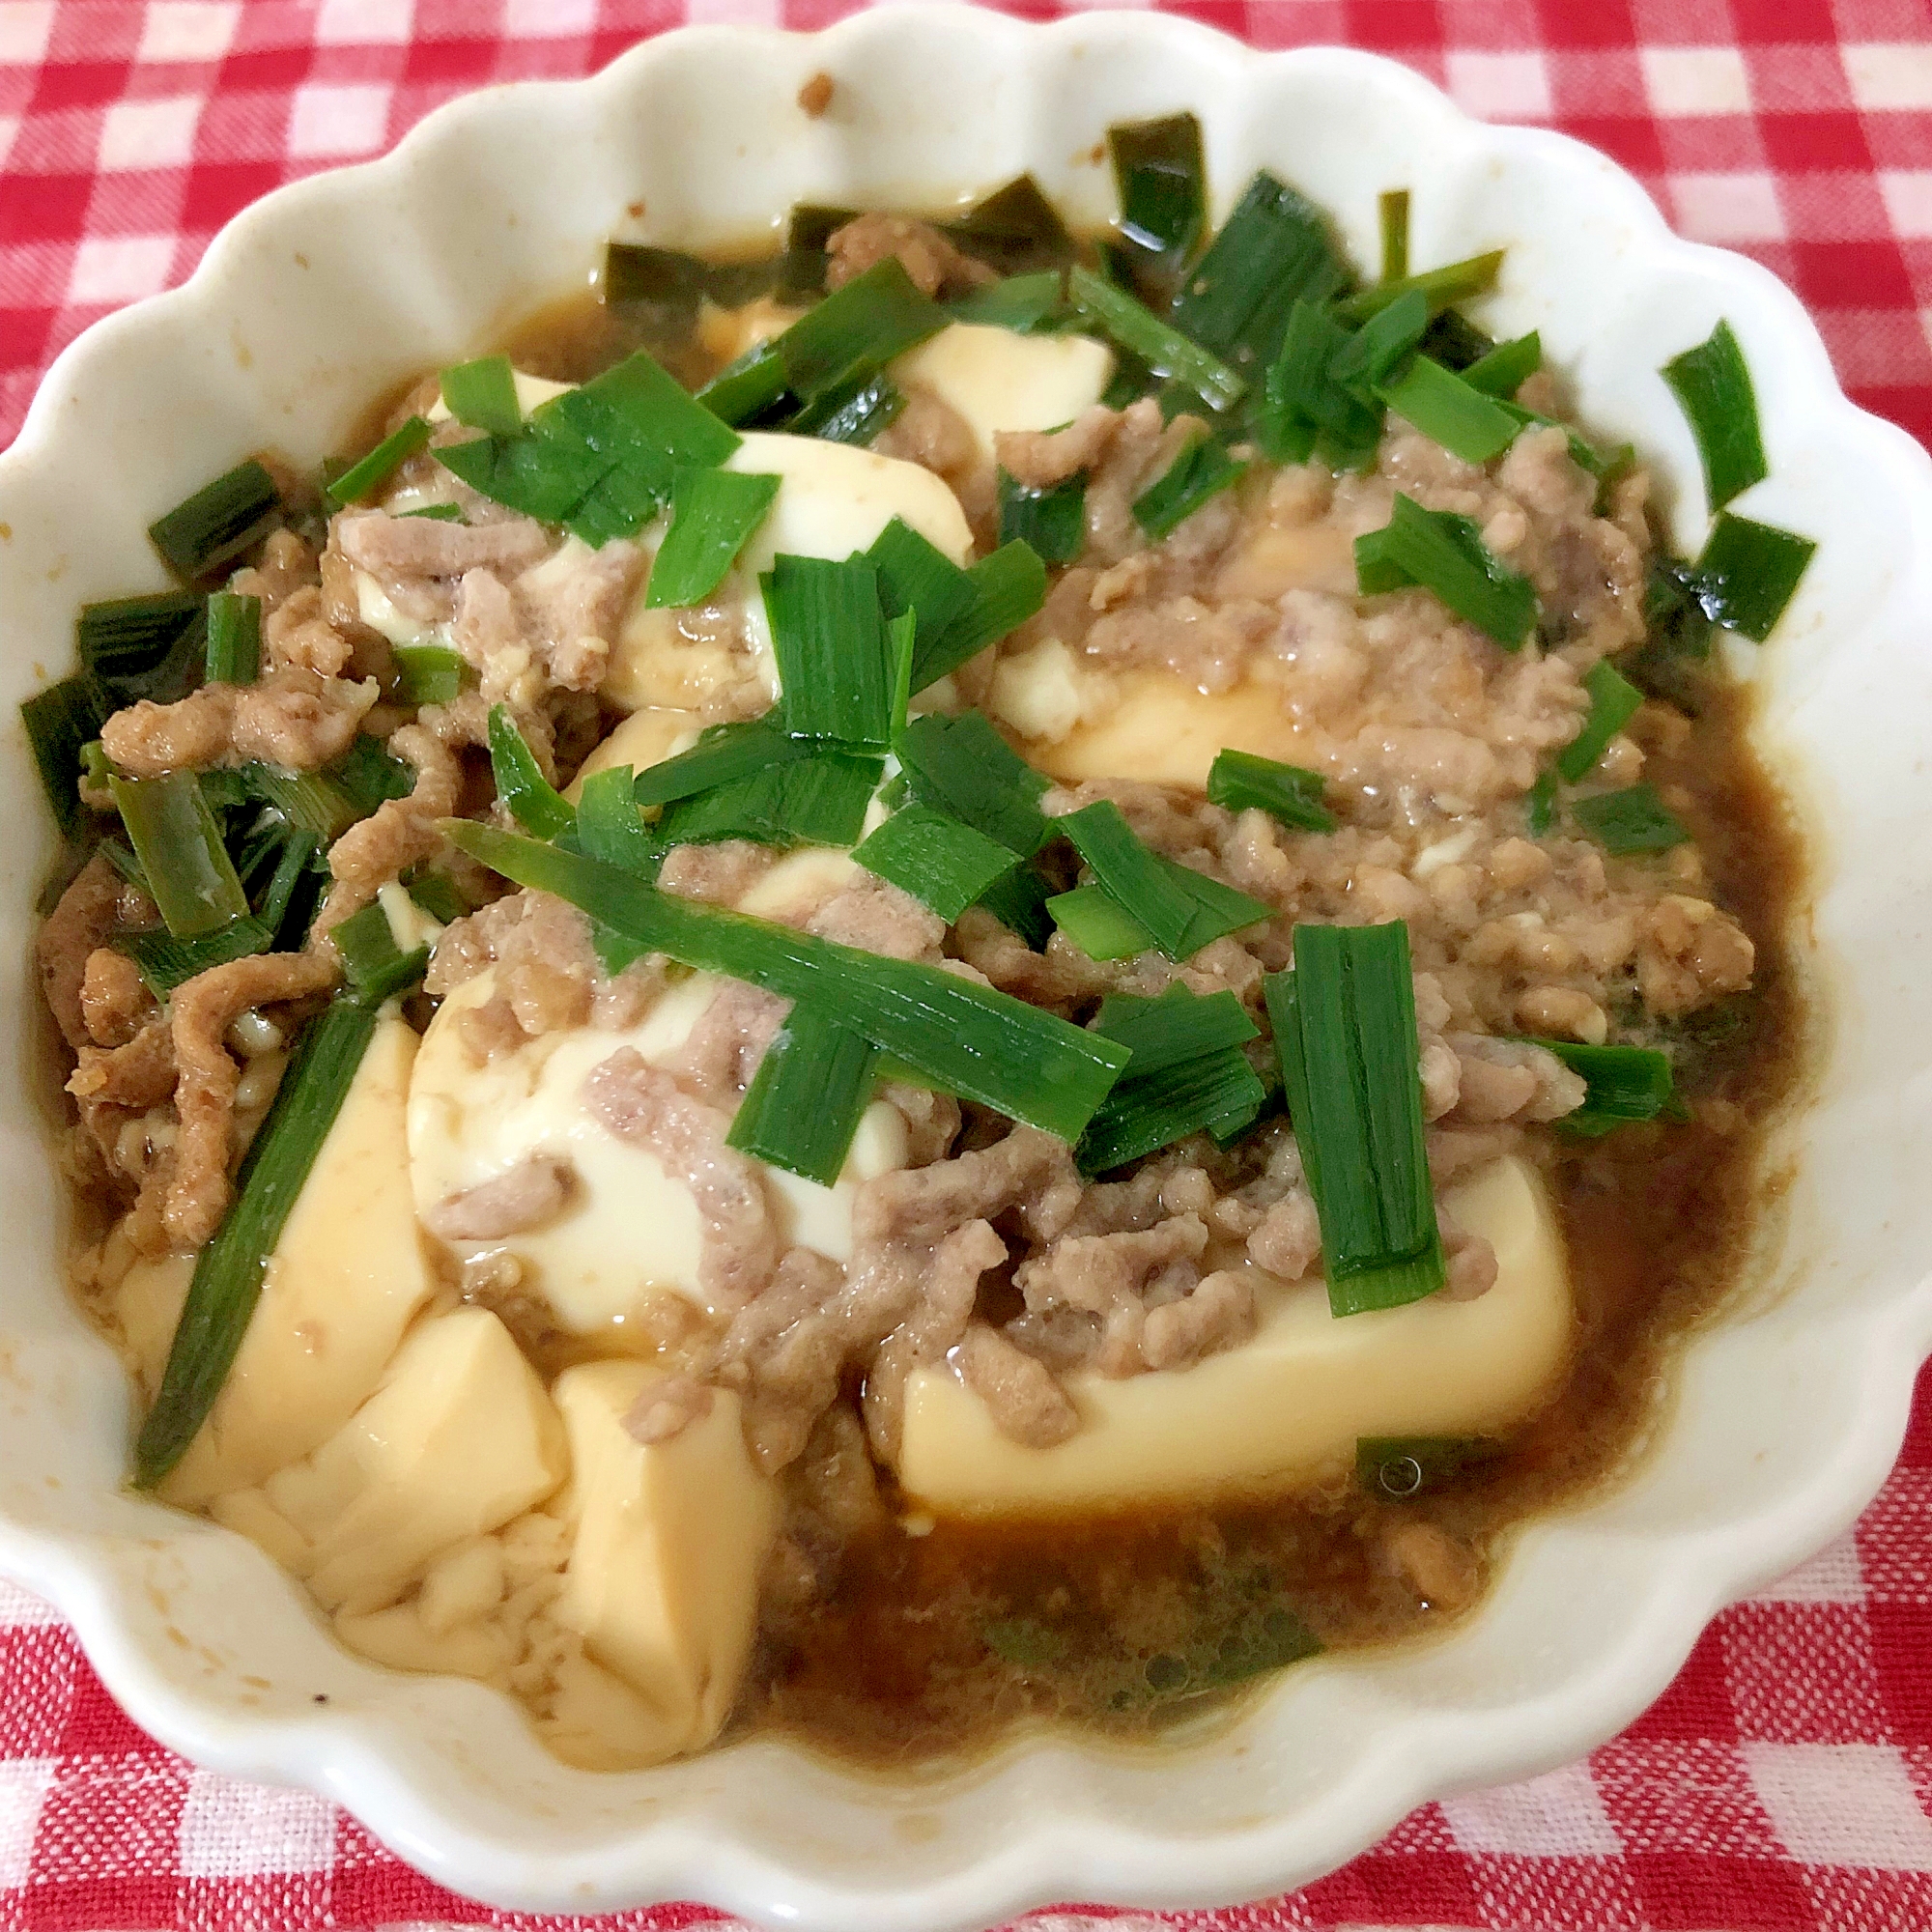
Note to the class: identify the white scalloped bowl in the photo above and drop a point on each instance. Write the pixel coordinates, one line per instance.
(1787, 1414)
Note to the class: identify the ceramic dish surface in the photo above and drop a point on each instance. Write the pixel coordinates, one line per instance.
(1785, 1414)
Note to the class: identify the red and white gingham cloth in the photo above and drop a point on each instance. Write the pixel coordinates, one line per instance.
(1784, 1783)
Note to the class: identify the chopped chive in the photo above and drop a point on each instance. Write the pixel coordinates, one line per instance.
(943, 863)
(376, 967)
(963, 1037)
(1177, 1026)
(1008, 588)
(365, 477)
(1623, 1084)
(1240, 780)
(611, 824)
(1371, 354)
(916, 575)
(534, 802)
(1345, 1030)
(816, 800)
(58, 721)
(807, 1096)
(1455, 282)
(219, 522)
(153, 646)
(1014, 228)
(853, 409)
(1540, 804)
(484, 395)
(1099, 923)
(814, 224)
(191, 875)
(1747, 572)
(285, 908)
(873, 318)
(712, 514)
(902, 640)
(1305, 403)
(1393, 208)
(229, 1272)
(165, 962)
(1188, 1075)
(437, 894)
(1713, 388)
(1445, 553)
(1052, 522)
(637, 273)
(427, 674)
(829, 637)
(545, 477)
(1633, 820)
(744, 390)
(367, 775)
(1161, 179)
(1161, 346)
(438, 513)
(1018, 900)
(1202, 471)
(1394, 1468)
(1613, 702)
(1448, 410)
(639, 414)
(303, 801)
(1504, 369)
(1019, 303)
(234, 639)
(962, 766)
(722, 753)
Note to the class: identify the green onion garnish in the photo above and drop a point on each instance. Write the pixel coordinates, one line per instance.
(165, 962)
(1393, 208)
(1018, 900)
(1371, 354)
(807, 1098)
(1014, 228)
(437, 894)
(712, 513)
(1448, 410)
(852, 410)
(745, 389)
(1613, 702)
(228, 1276)
(1008, 588)
(829, 637)
(1162, 347)
(484, 395)
(546, 478)
(963, 1037)
(1713, 388)
(219, 522)
(962, 766)
(873, 318)
(306, 801)
(1623, 1084)
(376, 967)
(1162, 184)
(916, 575)
(1019, 303)
(174, 834)
(1305, 403)
(137, 648)
(365, 477)
(534, 802)
(58, 721)
(1507, 367)
(438, 513)
(1540, 804)
(943, 863)
(1394, 1468)
(367, 775)
(1239, 779)
(1099, 923)
(285, 908)
(611, 824)
(1175, 1027)
(1747, 573)
(1455, 282)
(1444, 553)
(1633, 820)
(1051, 523)
(234, 639)
(820, 800)
(1345, 1030)
(722, 753)
(641, 415)
(427, 674)
(1202, 471)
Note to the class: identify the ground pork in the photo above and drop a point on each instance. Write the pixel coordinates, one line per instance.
(401, 832)
(936, 267)
(69, 936)
(530, 1195)
(1018, 1389)
(113, 999)
(293, 717)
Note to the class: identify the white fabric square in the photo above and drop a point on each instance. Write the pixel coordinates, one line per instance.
(1695, 80)
(229, 1828)
(1842, 1805)
(1501, 87)
(360, 22)
(338, 119)
(187, 30)
(118, 268)
(734, 12)
(18, 1607)
(1728, 208)
(1906, 194)
(24, 1784)
(1889, 74)
(1832, 1577)
(25, 28)
(1558, 1815)
(548, 19)
(149, 133)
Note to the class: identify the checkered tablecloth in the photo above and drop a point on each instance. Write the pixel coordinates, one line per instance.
(1784, 1783)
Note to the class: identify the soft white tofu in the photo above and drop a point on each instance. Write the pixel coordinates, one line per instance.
(1284, 1409)
(347, 1277)
(996, 379)
(645, 738)
(670, 1538)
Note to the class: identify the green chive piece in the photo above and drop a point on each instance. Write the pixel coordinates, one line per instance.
(1015, 228)
(228, 1276)
(1393, 208)
(820, 800)
(534, 802)
(807, 1096)
(1162, 182)
(1455, 282)
(437, 894)
(943, 863)
(234, 639)
(363, 479)
(1198, 473)
(484, 395)
(427, 674)
(1373, 353)
(294, 891)
(745, 389)
(963, 767)
(829, 637)
(1747, 572)
(1178, 1026)
(873, 318)
(964, 1038)
(1183, 910)
(137, 648)
(1444, 553)
(1507, 367)
(916, 575)
(58, 721)
(1396, 1468)
(376, 967)
(1713, 386)
(1345, 1030)
(1633, 820)
(1008, 588)
(722, 753)
(639, 414)
(1161, 346)
(303, 801)
(219, 522)
(611, 824)
(1018, 900)
(1450, 412)
(438, 513)
(1099, 923)
(545, 477)
(190, 876)
(712, 514)
(1240, 780)
(1022, 304)
(1052, 522)
(1540, 804)
(1454, 340)
(165, 962)
(1306, 403)
(367, 775)
(853, 409)
(1623, 1084)
(1613, 702)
